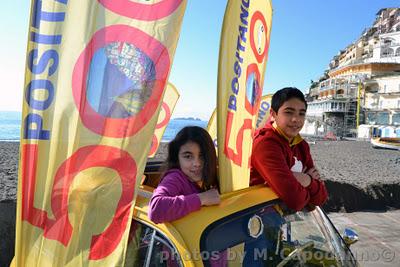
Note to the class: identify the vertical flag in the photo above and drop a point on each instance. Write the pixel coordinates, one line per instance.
(171, 96)
(263, 111)
(212, 127)
(262, 117)
(242, 61)
(95, 77)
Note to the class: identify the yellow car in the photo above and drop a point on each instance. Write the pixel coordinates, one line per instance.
(250, 227)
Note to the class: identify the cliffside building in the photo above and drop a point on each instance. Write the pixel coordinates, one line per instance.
(362, 84)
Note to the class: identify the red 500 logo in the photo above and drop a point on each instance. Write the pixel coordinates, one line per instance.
(60, 228)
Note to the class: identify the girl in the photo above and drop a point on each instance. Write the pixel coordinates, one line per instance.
(191, 177)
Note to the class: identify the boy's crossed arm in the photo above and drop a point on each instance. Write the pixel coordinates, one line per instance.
(297, 190)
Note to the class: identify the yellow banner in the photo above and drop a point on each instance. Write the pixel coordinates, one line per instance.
(95, 77)
(212, 127)
(262, 117)
(242, 61)
(171, 96)
(263, 111)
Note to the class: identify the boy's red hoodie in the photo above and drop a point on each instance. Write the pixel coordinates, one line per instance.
(273, 161)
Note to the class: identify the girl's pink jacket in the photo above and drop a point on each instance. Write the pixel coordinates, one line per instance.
(175, 197)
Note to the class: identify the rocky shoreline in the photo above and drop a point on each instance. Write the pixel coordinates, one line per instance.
(358, 178)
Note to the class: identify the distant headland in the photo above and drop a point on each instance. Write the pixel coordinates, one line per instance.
(187, 119)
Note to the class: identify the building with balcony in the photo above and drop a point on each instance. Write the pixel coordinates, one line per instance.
(387, 20)
(382, 100)
(362, 83)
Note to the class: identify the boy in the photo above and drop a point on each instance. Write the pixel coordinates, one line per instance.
(282, 159)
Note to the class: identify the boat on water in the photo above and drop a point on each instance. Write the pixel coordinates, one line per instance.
(386, 142)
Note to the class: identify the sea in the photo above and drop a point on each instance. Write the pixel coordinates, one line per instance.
(10, 126)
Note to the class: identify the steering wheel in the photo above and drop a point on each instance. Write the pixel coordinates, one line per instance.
(295, 253)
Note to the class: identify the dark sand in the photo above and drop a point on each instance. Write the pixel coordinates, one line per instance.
(358, 178)
(9, 153)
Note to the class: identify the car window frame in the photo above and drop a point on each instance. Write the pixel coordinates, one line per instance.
(280, 203)
(344, 245)
(161, 237)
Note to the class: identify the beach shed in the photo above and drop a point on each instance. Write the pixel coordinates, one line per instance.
(375, 131)
(365, 131)
(388, 131)
(398, 131)
(380, 131)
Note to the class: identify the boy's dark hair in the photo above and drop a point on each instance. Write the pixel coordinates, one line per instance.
(201, 137)
(285, 94)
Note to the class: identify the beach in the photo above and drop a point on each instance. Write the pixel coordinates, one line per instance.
(358, 178)
(350, 169)
(9, 153)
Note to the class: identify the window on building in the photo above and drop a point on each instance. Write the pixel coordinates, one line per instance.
(398, 49)
(340, 91)
(385, 88)
(371, 118)
(387, 41)
(381, 104)
(382, 118)
(388, 52)
(396, 119)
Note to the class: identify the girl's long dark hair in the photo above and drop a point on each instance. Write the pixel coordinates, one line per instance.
(201, 137)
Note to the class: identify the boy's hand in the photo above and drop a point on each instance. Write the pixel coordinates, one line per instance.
(303, 178)
(209, 198)
(313, 172)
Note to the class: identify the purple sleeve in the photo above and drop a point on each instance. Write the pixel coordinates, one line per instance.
(168, 202)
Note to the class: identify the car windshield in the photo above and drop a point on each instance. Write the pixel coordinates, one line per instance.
(271, 235)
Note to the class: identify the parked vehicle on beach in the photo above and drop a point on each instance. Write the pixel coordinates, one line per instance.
(250, 227)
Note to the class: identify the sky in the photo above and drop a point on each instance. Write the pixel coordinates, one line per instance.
(305, 35)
